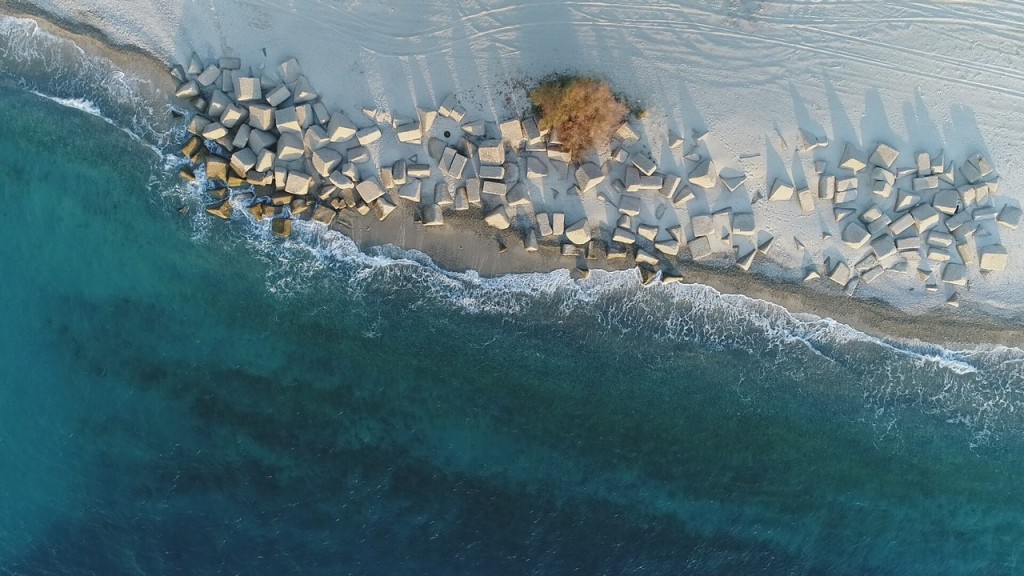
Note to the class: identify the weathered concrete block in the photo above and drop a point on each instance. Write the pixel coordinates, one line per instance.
(883, 247)
(993, 258)
(704, 175)
(884, 156)
(325, 160)
(623, 236)
(743, 224)
(670, 185)
(588, 176)
(854, 235)
(901, 224)
(629, 204)
(214, 130)
(241, 138)
(289, 147)
(473, 190)
(298, 184)
(806, 200)
(492, 152)
(461, 199)
(340, 128)
(645, 257)
(558, 223)
(643, 163)
(494, 188)
(939, 238)
(926, 183)
(248, 89)
(512, 132)
(278, 95)
(359, 154)
(879, 225)
(1009, 216)
(578, 232)
(517, 195)
(287, 121)
(261, 117)
(187, 90)
(667, 246)
(946, 201)
(303, 91)
(852, 159)
(498, 218)
(684, 195)
(840, 273)
(780, 191)
(488, 172)
(289, 70)
(909, 244)
(700, 248)
(906, 200)
(369, 190)
(535, 168)
(647, 231)
(925, 217)
(626, 134)
(826, 187)
(243, 161)
(411, 191)
(703, 225)
(544, 224)
(324, 215)
(881, 188)
(208, 76)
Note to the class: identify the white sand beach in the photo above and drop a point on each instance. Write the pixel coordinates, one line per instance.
(758, 78)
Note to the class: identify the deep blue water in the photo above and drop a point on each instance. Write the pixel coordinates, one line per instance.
(181, 396)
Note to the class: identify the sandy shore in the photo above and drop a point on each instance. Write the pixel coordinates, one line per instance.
(466, 243)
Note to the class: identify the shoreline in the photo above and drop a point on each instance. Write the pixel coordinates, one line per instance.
(965, 326)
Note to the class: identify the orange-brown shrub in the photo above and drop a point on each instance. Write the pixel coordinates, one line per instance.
(583, 112)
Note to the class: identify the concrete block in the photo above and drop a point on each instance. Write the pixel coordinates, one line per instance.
(298, 184)
(544, 224)
(906, 200)
(368, 136)
(879, 225)
(369, 190)
(993, 258)
(494, 188)
(980, 168)
(806, 200)
(492, 152)
(884, 156)
(704, 175)
(588, 176)
(645, 257)
(517, 195)
(512, 132)
(1009, 217)
(840, 274)
(670, 185)
(214, 130)
(278, 95)
(668, 246)
(626, 134)
(826, 187)
(925, 217)
(938, 254)
(629, 204)
(461, 199)
(578, 232)
(287, 121)
(208, 76)
(910, 244)
(488, 172)
(881, 188)
(924, 164)
(901, 224)
(324, 215)
(946, 201)
(558, 223)
(289, 70)
(647, 231)
(409, 133)
(261, 117)
(852, 159)
(248, 89)
(289, 147)
(325, 160)
(926, 183)
(241, 139)
(341, 181)
(359, 154)
(623, 235)
(703, 225)
(535, 168)
(743, 224)
(315, 138)
(700, 248)
(643, 163)
(883, 247)
(243, 161)
(411, 191)
(303, 92)
(872, 274)
(684, 195)
(854, 235)
(780, 191)
(340, 128)
(383, 206)
(473, 190)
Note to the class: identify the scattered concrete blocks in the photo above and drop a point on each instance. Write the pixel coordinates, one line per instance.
(780, 191)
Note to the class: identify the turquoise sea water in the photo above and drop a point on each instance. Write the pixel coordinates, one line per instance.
(181, 396)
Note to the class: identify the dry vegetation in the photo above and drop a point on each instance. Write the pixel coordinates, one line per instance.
(582, 111)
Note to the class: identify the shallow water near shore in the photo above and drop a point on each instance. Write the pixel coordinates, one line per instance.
(184, 396)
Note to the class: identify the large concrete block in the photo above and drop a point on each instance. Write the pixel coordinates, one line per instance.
(498, 218)
(492, 152)
(993, 258)
(243, 161)
(369, 190)
(289, 70)
(340, 128)
(884, 156)
(303, 92)
(289, 147)
(558, 223)
(852, 159)
(287, 121)
(704, 175)
(925, 217)
(208, 76)
(588, 176)
(518, 195)
(411, 191)
(743, 224)
(780, 191)
(854, 235)
(578, 232)
(214, 130)
(700, 248)
(248, 89)
(629, 204)
(512, 132)
(368, 136)
(278, 95)
(1009, 216)
(703, 225)
(261, 116)
(325, 160)
(187, 90)
(298, 184)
